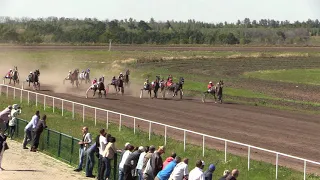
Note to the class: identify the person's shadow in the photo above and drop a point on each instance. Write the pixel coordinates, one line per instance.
(24, 170)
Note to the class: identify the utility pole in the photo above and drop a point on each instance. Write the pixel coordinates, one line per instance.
(110, 40)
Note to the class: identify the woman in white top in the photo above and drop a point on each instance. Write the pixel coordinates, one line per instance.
(13, 121)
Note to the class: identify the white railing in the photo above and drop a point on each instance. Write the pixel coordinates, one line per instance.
(166, 126)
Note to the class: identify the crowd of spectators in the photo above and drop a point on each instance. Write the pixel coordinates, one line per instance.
(140, 162)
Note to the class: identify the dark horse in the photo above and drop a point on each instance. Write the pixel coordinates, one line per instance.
(174, 88)
(216, 91)
(15, 76)
(100, 87)
(118, 85)
(149, 87)
(126, 78)
(34, 78)
(74, 77)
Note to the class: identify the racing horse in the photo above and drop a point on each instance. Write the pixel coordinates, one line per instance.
(100, 87)
(126, 78)
(74, 78)
(34, 78)
(174, 88)
(153, 86)
(217, 90)
(15, 76)
(120, 85)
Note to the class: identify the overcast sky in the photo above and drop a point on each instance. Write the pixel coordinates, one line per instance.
(200, 10)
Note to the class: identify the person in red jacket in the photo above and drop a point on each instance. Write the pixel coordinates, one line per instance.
(210, 86)
(169, 159)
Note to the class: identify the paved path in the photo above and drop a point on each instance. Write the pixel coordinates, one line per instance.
(20, 164)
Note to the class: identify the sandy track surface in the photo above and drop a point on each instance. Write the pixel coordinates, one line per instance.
(20, 164)
(166, 48)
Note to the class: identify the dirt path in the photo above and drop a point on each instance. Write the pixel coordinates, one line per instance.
(20, 164)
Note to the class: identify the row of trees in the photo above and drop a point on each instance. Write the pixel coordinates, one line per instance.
(130, 31)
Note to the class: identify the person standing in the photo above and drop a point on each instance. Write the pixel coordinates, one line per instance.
(165, 173)
(13, 121)
(197, 172)
(90, 158)
(37, 132)
(181, 171)
(103, 141)
(108, 154)
(29, 129)
(4, 118)
(140, 162)
(234, 175)
(84, 144)
(131, 163)
(123, 160)
(3, 147)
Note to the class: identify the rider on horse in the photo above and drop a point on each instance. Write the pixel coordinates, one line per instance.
(9, 74)
(146, 84)
(210, 87)
(101, 79)
(169, 80)
(120, 75)
(69, 75)
(113, 80)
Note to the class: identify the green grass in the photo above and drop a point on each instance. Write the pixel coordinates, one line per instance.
(302, 76)
(259, 170)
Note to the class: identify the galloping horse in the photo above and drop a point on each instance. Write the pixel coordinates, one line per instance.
(100, 87)
(153, 86)
(34, 78)
(73, 78)
(15, 76)
(217, 90)
(126, 78)
(174, 88)
(120, 85)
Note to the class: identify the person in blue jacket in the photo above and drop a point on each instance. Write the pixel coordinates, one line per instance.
(166, 172)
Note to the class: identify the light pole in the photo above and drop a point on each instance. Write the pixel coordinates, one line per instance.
(110, 40)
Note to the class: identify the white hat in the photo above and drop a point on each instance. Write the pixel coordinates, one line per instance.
(203, 163)
(141, 148)
(127, 144)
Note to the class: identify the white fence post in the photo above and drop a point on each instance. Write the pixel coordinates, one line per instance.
(83, 113)
(202, 145)
(44, 102)
(107, 119)
(62, 107)
(72, 110)
(304, 170)
(28, 97)
(120, 122)
(225, 151)
(149, 130)
(277, 160)
(134, 125)
(1, 90)
(248, 158)
(53, 105)
(14, 93)
(184, 141)
(20, 96)
(95, 116)
(37, 99)
(7, 91)
(165, 135)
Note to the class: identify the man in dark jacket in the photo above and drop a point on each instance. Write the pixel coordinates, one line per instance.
(209, 172)
(131, 163)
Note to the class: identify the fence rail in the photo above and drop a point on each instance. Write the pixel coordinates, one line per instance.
(166, 126)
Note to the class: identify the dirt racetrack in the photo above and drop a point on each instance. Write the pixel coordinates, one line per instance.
(285, 132)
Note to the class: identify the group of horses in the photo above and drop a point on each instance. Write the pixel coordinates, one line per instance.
(32, 78)
(75, 76)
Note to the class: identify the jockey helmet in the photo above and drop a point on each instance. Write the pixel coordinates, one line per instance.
(10, 69)
(210, 82)
(120, 73)
(69, 71)
(95, 79)
(114, 77)
(30, 72)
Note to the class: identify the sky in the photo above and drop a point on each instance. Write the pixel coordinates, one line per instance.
(162, 10)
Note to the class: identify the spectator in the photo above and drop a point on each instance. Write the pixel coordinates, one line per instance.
(140, 162)
(29, 129)
(208, 173)
(103, 141)
(169, 159)
(146, 159)
(84, 144)
(4, 118)
(165, 173)
(131, 163)
(38, 130)
(234, 174)
(108, 154)
(155, 163)
(90, 158)
(13, 121)
(3, 146)
(123, 160)
(197, 173)
(225, 175)
(181, 171)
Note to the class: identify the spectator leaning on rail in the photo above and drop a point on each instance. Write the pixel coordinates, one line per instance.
(209, 172)
(166, 172)
(146, 159)
(13, 121)
(225, 175)
(140, 162)
(3, 147)
(131, 164)
(234, 174)
(123, 160)
(4, 118)
(38, 130)
(197, 173)
(181, 171)
(29, 129)
(169, 159)
(84, 144)
(108, 154)
(103, 141)
(154, 166)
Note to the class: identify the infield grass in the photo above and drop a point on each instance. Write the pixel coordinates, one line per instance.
(258, 170)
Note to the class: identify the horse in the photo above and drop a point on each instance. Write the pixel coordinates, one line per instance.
(100, 87)
(120, 85)
(126, 78)
(34, 78)
(15, 76)
(87, 77)
(217, 90)
(114, 83)
(174, 88)
(74, 77)
(154, 86)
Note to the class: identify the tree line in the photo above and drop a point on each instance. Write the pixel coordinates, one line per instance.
(131, 31)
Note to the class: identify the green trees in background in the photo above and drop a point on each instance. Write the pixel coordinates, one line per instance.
(130, 31)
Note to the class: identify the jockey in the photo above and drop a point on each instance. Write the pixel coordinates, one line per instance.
(113, 80)
(69, 74)
(88, 70)
(120, 75)
(169, 80)
(101, 79)
(210, 86)
(94, 82)
(9, 74)
(146, 84)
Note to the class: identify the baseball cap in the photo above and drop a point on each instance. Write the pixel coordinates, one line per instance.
(141, 148)
(203, 163)
(212, 167)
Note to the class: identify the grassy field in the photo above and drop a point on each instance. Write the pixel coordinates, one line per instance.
(258, 171)
(301, 76)
(237, 69)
